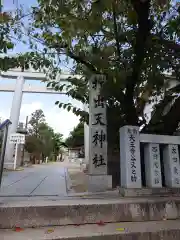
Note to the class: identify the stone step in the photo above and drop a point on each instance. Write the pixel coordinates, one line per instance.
(85, 211)
(161, 230)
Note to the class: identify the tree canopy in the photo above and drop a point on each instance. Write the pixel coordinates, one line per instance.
(42, 141)
(76, 137)
(134, 44)
(36, 123)
(11, 32)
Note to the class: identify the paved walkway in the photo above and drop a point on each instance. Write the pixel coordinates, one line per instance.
(38, 180)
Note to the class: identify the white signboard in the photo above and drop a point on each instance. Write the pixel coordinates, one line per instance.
(17, 138)
(97, 123)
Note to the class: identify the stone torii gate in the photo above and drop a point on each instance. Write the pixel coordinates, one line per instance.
(19, 88)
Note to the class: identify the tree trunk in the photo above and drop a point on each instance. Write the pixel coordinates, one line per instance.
(114, 166)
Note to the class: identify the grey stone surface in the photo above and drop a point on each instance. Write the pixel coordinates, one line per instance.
(85, 211)
(162, 230)
(130, 157)
(99, 183)
(12, 177)
(97, 131)
(51, 185)
(171, 165)
(152, 165)
(145, 192)
(45, 179)
(24, 187)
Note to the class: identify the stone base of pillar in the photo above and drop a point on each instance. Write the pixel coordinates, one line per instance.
(9, 165)
(153, 192)
(99, 183)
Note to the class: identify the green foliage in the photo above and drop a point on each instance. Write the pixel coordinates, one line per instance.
(57, 143)
(33, 145)
(10, 27)
(37, 118)
(41, 139)
(131, 43)
(76, 137)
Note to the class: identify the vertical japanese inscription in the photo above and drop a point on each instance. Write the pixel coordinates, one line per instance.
(130, 164)
(175, 164)
(156, 164)
(98, 140)
(132, 148)
(171, 165)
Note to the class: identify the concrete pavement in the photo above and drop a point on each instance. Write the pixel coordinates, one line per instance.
(38, 180)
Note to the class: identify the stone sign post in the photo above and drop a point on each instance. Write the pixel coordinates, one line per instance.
(130, 157)
(152, 165)
(98, 178)
(171, 166)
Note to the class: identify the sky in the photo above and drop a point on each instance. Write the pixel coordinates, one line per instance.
(59, 119)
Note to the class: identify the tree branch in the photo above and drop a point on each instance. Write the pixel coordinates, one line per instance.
(155, 38)
(82, 61)
(167, 124)
(168, 43)
(77, 58)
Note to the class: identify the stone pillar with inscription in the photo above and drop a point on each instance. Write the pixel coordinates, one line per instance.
(171, 166)
(98, 178)
(152, 165)
(86, 137)
(130, 165)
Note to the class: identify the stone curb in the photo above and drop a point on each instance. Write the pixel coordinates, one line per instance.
(166, 230)
(86, 211)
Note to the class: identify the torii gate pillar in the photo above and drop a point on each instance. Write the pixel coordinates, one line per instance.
(14, 118)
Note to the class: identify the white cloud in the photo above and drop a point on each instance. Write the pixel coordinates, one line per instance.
(60, 120)
(28, 108)
(3, 116)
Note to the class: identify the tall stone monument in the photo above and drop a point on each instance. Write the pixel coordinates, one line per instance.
(98, 178)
